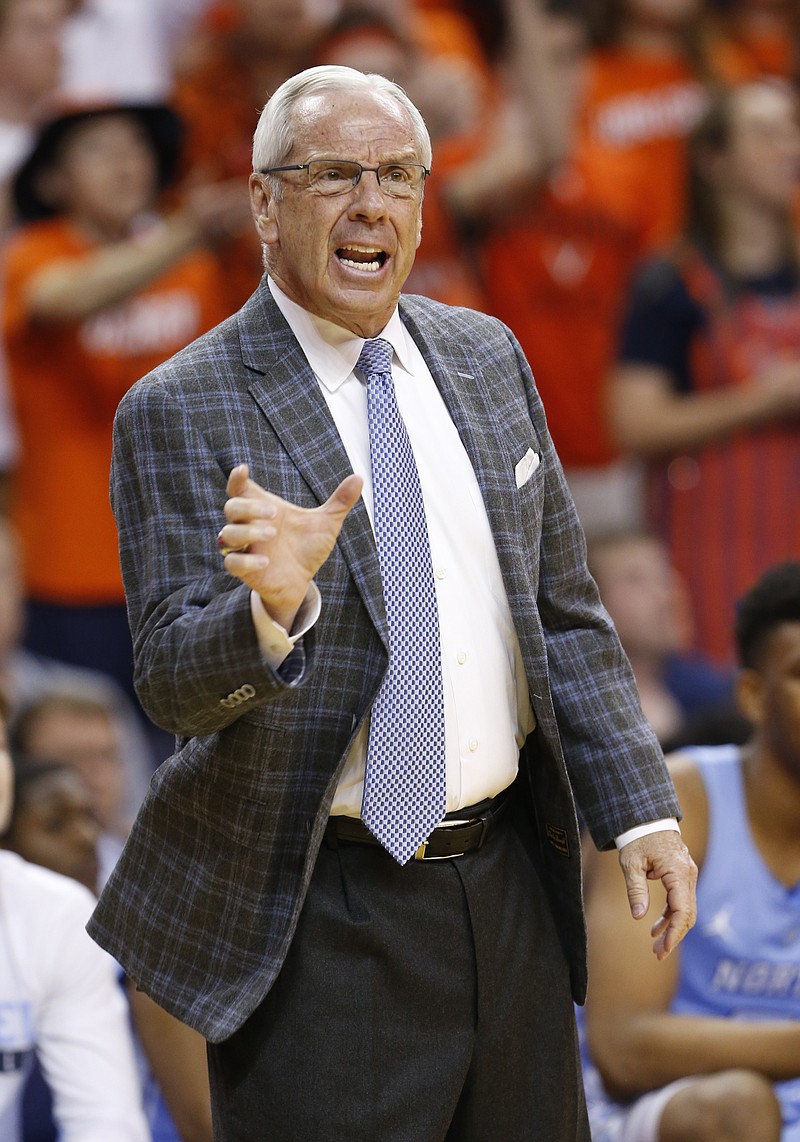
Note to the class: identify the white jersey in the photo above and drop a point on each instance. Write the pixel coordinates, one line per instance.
(59, 995)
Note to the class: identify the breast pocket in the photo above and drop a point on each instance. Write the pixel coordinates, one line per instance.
(526, 467)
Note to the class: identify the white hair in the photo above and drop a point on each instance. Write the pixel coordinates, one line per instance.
(274, 136)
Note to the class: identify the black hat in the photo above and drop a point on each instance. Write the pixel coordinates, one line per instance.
(159, 121)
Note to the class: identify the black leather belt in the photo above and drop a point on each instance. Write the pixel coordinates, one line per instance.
(461, 832)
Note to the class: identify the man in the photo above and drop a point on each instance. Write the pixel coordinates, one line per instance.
(708, 1045)
(651, 610)
(82, 729)
(347, 991)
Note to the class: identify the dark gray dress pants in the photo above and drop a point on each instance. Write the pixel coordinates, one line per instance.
(425, 1003)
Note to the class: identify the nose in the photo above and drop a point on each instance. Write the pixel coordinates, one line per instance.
(366, 198)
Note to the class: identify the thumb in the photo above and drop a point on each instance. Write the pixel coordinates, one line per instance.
(345, 496)
(638, 892)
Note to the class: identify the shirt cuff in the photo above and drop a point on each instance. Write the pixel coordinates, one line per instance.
(275, 642)
(667, 824)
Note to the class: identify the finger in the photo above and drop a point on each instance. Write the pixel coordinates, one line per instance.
(238, 537)
(660, 924)
(638, 892)
(245, 563)
(671, 930)
(678, 917)
(238, 480)
(345, 497)
(244, 510)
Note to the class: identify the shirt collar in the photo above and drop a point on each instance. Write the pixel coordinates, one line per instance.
(331, 351)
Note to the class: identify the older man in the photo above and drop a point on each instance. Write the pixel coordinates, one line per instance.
(399, 655)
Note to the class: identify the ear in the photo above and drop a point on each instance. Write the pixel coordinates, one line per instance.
(262, 205)
(750, 695)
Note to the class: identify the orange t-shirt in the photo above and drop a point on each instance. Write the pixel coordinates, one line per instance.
(67, 379)
(556, 272)
(640, 109)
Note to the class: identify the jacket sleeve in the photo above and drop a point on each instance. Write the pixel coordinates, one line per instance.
(198, 665)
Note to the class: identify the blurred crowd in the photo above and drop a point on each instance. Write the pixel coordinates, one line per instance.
(617, 180)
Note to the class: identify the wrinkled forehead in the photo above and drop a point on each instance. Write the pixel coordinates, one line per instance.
(344, 123)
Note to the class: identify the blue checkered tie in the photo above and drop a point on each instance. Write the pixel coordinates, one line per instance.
(404, 786)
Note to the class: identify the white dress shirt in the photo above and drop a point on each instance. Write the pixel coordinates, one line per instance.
(488, 713)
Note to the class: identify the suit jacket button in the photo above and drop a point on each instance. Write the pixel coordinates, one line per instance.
(237, 697)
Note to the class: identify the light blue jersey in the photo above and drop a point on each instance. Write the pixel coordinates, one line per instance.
(742, 958)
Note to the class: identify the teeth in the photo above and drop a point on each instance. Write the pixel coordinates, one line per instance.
(360, 265)
(370, 267)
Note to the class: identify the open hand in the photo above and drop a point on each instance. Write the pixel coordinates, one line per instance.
(280, 546)
(661, 856)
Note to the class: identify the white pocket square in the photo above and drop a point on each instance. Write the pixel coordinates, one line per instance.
(526, 467)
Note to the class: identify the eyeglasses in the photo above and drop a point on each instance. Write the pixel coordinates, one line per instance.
(338, 176)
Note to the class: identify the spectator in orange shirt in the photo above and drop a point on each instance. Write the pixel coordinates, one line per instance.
(99, 289)
(647, 85)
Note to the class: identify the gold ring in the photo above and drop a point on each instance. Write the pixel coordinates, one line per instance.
(225, 550)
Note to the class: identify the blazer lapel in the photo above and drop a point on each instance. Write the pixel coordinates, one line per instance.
(460, 378)
(287, 392)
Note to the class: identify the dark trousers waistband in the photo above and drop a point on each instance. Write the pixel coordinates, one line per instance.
(462, 831)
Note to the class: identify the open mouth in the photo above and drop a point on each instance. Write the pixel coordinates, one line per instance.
(368, 258)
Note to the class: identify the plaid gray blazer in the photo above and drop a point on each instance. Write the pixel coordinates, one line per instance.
(203, 903)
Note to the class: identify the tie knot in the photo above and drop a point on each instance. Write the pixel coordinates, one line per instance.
(375, 357)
